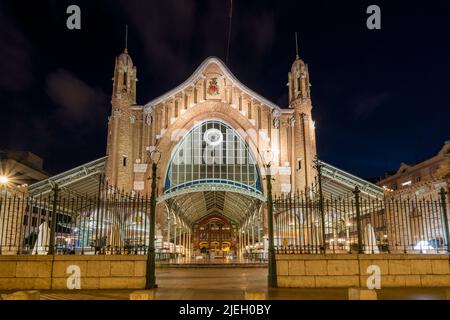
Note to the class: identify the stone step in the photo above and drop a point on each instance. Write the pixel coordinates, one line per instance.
(212, 265)
(22, 295)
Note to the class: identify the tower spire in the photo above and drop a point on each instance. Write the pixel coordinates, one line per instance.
(126, 38)
(296, 47)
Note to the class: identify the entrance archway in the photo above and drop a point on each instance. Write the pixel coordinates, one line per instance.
(212, 174)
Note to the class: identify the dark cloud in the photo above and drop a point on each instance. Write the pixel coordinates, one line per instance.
(260, 32)
(77, 102)
(170, 31)
(361, 79)
(165, 29)
(282, 100)
(366, 104)
(15, 57)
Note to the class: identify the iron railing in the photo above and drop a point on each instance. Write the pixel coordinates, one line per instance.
(311, 225)
(112, 222)
(116, 222)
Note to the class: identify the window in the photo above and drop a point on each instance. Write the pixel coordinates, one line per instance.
(406, 183)
(125, 75)
(259, 118)
(34, 222)
(124, 161)
(213, 152)
(166, 116)
(25, 220)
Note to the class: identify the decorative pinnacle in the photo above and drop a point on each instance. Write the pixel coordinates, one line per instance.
(126, 38)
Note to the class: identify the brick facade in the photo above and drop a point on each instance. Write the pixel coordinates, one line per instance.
(212, 92)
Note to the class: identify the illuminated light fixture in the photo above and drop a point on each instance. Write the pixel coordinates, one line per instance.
(4, 179)
(407, 183)
(155, 156)
(423, 246)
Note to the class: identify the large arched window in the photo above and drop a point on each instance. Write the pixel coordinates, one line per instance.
(212, 153)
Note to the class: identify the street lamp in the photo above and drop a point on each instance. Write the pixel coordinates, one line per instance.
(4, 180)
(155, 156)
(272, 276)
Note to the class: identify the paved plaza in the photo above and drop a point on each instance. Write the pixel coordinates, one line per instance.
(220, 283)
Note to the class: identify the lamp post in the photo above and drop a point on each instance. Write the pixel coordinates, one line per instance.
(51, 247)
(443, 201)
(155, 156)
(4, 180)
(272, 277)
(318, 166)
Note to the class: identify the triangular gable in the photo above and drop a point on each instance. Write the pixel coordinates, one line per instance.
(209, 65)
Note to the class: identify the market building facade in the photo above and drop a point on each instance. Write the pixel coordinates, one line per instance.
(216, 142)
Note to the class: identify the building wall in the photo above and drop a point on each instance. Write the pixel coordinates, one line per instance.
(421, 184)
(332, 271)
(422, 180)
(21, 167)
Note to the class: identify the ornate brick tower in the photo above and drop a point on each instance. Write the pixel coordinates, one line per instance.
(119, 166)
(304, 131)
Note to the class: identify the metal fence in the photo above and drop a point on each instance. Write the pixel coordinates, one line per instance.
(112, 222)
(115, 222)
(304, 224)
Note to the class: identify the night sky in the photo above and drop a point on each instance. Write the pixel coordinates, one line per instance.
(380, 97)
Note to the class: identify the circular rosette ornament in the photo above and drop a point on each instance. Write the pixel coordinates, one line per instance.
(213, 137)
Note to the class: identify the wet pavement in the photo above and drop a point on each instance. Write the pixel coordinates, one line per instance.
(221, 283)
